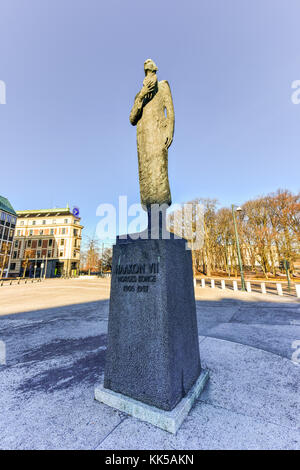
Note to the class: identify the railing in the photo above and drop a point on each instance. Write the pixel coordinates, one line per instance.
(267, 287)
(19, 280)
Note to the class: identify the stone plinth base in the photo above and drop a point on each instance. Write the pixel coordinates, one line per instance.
(167, 420)
(153, 350)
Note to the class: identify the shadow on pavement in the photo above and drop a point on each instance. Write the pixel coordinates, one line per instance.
(64, 347)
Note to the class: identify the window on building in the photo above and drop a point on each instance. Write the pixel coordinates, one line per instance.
(74, 254)
(18, 232)
(50, 242)
(16, 244)
(41, 232)
(40, 243)
(66, 221)
(62, 241)
(15, 254)
(38, 254)
(49, 253)
(30, 232)
(63, 231)
(22, 222)
(61, 253)
(54, 221)
(52, 231)
(75, 231)
(13, 266)
(44, 222)
(33, 222)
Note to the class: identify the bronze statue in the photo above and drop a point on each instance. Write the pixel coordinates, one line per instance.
(153, 114)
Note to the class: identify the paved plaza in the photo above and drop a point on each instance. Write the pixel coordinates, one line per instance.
(55, 335)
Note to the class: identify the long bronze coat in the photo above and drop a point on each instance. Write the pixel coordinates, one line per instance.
(153, 128)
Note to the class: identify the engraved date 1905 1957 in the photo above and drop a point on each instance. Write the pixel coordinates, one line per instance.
(137, 273)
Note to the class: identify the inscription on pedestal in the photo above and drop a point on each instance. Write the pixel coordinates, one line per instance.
(153, 350)
(147, 275)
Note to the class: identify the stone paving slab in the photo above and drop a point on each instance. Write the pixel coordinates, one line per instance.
(56, 420)
(252, 382)
(55, 356)
(207, 427)
(277, 339)
(242, 408)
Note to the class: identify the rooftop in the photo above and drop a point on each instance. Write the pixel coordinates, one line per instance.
(44, 212)
(6, 206)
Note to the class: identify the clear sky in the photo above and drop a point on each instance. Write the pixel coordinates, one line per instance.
(73, 67)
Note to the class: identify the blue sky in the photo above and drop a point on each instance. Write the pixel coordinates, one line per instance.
(73, 67)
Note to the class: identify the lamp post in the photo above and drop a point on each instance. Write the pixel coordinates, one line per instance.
(238, 209)
(35, 265)
(45, 271)
(102, 251)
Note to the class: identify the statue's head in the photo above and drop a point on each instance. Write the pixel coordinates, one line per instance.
(149, 64)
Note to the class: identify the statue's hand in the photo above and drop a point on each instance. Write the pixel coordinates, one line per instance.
(169, 140)
(149, 85)
(144, 91)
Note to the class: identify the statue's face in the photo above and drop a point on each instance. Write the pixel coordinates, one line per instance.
(150, 65)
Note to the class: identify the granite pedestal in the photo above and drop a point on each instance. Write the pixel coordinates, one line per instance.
(167, 420)
(153, 352)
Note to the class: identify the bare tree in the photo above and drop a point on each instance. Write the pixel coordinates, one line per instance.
(268, 229)
(90, 255)
(106, 259)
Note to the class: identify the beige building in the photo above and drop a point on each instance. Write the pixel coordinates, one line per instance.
(47, 243)
(8, 219)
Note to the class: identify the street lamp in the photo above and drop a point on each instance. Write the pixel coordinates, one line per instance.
(238, 209)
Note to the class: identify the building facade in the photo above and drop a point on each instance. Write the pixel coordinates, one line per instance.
(8, 219)
(47, 244)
